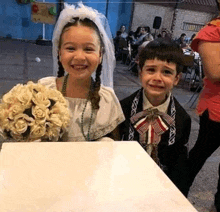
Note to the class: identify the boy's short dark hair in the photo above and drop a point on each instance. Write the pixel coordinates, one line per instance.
(162, 49)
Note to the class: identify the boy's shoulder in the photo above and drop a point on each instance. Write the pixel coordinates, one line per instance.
(180, 111)
(128, 100)
(126, 103)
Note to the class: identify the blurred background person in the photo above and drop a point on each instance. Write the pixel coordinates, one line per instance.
(207, 44)
(124, 34)
(181, 40)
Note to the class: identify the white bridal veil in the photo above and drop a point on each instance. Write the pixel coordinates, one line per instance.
(82, 11)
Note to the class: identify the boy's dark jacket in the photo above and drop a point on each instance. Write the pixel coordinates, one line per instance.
(172, 157)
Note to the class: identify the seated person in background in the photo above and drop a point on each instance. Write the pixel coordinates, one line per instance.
(162, 34)
(153, 116)
(137, 33)
(181, 41)
(146, 40)
(191, 39)
(144, 32)
(130, 38)
(123, 33)
(139, 40)
(116, 42)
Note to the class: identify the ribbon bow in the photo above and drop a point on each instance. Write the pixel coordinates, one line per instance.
(153, 121)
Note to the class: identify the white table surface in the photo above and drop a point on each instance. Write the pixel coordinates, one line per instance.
(84, 176)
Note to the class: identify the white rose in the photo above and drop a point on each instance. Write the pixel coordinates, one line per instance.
(55, 119)
(56, 96)
(9, 98)
(14, 110)
(63, 112)
(37, 131)
(41, 98)
(40, 112)
(21, 123)
(52, 131)
(35, 87)
(7, 124)
(66, 115)
(3, 112)
(25, 97)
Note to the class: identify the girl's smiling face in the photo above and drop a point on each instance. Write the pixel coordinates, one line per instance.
(158, 78)
(80, 51)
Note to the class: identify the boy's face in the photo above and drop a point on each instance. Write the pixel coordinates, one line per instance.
(158, 78)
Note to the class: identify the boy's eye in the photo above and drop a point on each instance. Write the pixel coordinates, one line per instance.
(168, 72)
(150, 70)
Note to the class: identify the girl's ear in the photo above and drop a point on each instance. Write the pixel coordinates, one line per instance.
(101, 55)
(59, 55)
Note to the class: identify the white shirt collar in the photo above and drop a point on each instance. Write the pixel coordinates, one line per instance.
(162, 108)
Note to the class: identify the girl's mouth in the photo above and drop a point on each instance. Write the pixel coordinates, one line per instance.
(79, 67)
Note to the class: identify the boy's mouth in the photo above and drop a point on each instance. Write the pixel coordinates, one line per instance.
(156, 86)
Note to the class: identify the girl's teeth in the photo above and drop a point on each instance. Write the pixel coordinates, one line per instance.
(79, 67)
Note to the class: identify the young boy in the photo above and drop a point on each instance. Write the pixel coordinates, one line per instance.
(154, 117)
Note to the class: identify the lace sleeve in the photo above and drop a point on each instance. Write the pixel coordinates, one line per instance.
(50, 82)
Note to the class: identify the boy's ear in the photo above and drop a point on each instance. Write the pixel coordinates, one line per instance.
(177, 78)
(139, 73)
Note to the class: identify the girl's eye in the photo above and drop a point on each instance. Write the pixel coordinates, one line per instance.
(89, 49)
(70, 48)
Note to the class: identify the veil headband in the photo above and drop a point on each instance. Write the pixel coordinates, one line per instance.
(81, 11)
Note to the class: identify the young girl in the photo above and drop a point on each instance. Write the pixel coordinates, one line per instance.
(80, 48)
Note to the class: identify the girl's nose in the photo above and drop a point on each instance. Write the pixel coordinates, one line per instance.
(79, 55)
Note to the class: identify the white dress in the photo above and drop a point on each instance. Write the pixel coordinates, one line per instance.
(104, 121)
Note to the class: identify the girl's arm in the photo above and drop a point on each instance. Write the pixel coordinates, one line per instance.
(210, 55)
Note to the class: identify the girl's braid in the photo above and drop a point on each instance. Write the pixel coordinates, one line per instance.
(94, 95)
(60, 72)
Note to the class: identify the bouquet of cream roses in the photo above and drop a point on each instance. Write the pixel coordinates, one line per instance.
(33, 111)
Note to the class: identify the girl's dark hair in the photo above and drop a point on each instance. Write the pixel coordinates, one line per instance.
(162, 49)
(147, 29)
(193, 35)
(93, 95)
(137, 31)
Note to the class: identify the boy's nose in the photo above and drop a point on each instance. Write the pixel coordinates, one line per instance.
(157, 76)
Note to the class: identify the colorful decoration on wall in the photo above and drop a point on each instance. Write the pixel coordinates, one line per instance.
(43, 12)
(24, 1)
